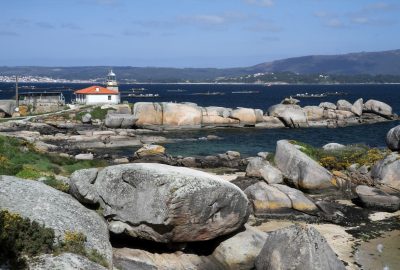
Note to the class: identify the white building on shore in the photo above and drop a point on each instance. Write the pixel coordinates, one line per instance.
(100, 95)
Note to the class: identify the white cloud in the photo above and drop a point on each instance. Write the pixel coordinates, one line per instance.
(261, 3)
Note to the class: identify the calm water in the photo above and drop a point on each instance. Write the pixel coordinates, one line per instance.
(249, 141)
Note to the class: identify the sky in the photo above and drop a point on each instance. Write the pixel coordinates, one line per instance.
(190, 33)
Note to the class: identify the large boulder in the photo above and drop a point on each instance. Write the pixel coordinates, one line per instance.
(169, 204)
(218, 116)
(114, 120)
(246, 116)
(261, 168)
(240, 250)
(297, 247)
(304, 172)
(181, 115)
(278, 199)
(148, 114)
(81, 186)
(314, 113)
(63, 261)
(387, 171)
(357, 107)
(137, 259)
(328, 105)
(393, 139)
(343, 105)
(378, 107)
(376, 199)
(292, 115)
(56, 210)
(8, 107)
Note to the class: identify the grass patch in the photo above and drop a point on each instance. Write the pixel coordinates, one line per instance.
(19, 158)
(96, 112)
(340, 159)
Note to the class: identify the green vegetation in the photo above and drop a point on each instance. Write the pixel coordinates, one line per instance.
(96, 112)
(19, 158)
(341, 159)
(21, 238)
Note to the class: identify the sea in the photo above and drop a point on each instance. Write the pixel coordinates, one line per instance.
(248, 141)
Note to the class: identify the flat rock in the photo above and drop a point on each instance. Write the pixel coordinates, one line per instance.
(88, 156)
(261, 168)
(393, 139)
(64, 261)
(304, 172)
(297, 247)
(169, 204)
(376, 199)
(56, 210)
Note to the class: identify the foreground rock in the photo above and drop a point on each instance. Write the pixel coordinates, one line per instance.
(376, 199)
(55, 210)
(168, 204)
(62, 262)
(128, 259)
(240, 250)
(278, 199)
(393, 139)
(304, 172)
(387, 171)
(297, 247)
(259, 167)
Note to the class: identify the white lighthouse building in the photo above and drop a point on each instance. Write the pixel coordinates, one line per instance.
(100, 95)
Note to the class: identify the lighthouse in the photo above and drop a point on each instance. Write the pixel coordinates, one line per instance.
(111, 82)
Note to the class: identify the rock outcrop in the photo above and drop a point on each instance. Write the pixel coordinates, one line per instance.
(376, 199)
(55, 210)
(259, 167)
(387, 171)
(302, 171)
(168, 204)
(297, 247)
(393, 139)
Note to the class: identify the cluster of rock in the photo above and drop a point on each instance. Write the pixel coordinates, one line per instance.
(167, 115)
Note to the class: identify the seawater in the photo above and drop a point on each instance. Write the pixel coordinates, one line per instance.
(249, 141)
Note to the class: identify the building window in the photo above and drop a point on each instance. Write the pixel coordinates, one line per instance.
(109, 97)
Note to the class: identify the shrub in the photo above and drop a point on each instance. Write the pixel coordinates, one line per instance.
(57, 184)
(29, 172)
(20, 237)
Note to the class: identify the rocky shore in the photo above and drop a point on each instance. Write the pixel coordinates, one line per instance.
(161, 212)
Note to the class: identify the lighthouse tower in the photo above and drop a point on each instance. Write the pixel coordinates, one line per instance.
(111, 81)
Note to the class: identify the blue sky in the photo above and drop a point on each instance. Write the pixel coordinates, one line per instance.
(190, 33)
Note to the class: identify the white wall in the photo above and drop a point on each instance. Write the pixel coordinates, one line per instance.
(102, 99)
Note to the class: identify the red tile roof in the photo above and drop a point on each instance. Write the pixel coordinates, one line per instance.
(96, 90)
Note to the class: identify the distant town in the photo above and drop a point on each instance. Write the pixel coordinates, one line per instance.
(40, 79)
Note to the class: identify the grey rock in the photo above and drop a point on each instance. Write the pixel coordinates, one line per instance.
(232, 155)
(81, 186)
(8, 107)
(64, 261)
(120, 120)
(189, 162)
(333, 146)
(304, 172)
(393, 139)
(88, 156)
(343, 105)
(357, 107)
(292, 115)
(387, 171)
(263, 155)
(169, 204)
(240, 250)
(299, 201)
(55, 210)
(378, 107)
(314, 113)
(328, 105)
(136, 259)
(261, 168)
(364, 169)
(148, 114)
(87, 118)
(297, 247)
(376, 199)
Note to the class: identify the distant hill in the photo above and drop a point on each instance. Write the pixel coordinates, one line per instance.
(372, 63)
